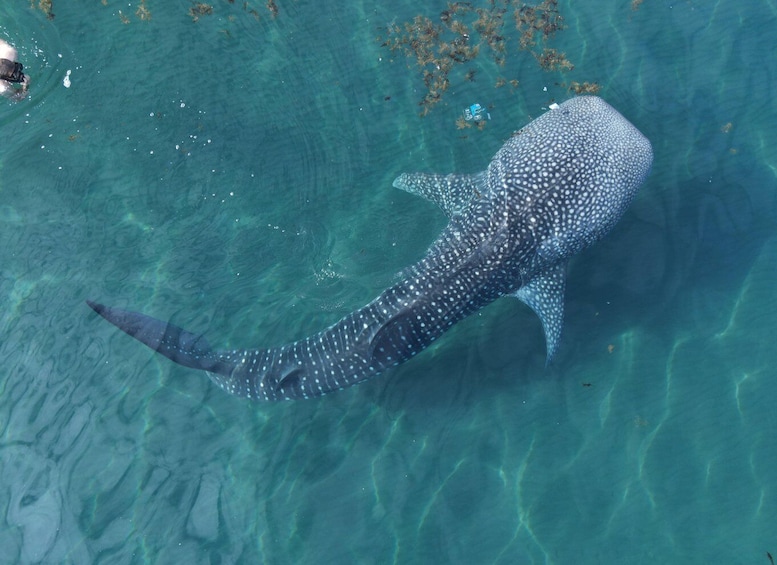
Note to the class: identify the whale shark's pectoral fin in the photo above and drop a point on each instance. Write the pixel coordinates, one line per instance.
(545, 295)
(452, 193)
(185, 348)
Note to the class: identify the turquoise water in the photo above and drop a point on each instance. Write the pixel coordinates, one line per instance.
(234, 175)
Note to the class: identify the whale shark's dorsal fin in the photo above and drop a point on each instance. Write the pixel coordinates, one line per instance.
(545, 295)
(452, 193)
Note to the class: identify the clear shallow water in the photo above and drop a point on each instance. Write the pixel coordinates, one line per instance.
(235, 176)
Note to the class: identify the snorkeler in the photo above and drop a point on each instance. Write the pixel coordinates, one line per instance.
(11, 73)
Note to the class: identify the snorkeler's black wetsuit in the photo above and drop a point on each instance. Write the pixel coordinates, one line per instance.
(11, 71)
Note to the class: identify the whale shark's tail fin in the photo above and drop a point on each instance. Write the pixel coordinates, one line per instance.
(185, 348)
(391, 329)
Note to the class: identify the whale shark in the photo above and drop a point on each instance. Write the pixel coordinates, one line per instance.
(558, 185)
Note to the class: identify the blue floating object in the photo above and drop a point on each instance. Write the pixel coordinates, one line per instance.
(476, 113)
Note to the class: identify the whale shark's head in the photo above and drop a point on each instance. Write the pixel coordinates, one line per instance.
(571, 173)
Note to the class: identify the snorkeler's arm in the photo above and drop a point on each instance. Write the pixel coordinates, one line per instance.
(21, 93)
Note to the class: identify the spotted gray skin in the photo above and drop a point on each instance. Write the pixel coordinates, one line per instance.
(557, 186)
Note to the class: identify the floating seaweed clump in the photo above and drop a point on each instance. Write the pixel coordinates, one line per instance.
(143, 12)
(584, 88)
(551, 60)
(200, 9)
(44, 6)
(463, 123)
(541, 20)
(196, 10)
(463, 29)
